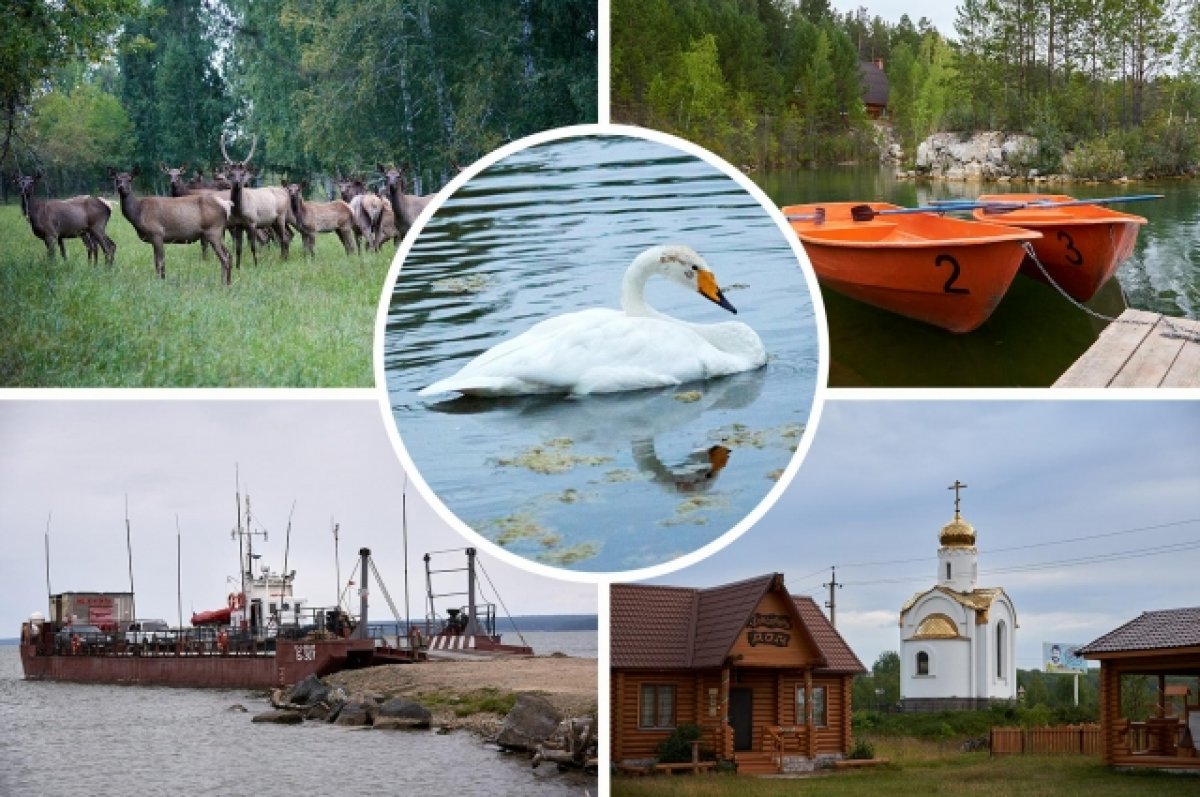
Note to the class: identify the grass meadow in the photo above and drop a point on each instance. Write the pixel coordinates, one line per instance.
(919, 769)
(304, 322)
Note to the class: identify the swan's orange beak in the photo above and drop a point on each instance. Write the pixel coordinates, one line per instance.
(707, 285)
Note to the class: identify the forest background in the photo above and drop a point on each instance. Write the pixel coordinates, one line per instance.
(324, 86)
(776, 82)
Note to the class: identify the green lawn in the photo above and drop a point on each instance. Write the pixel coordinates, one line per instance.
(306, 322)
(921, 768)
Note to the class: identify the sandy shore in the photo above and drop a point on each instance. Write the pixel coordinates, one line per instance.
(568, 683)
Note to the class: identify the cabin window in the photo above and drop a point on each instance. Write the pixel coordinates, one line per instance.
(657, 708)
(947, 571)
(272, 608)
(922, 663)
(819, 713)
(1000, 650)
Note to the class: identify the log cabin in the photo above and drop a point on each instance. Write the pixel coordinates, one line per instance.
(1159, 644)
(763, 674)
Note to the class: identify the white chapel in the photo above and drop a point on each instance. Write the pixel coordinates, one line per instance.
(957, 640)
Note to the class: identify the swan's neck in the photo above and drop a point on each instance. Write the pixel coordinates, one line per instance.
(633, 287)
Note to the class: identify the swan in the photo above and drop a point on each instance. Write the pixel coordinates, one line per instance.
(601, 350)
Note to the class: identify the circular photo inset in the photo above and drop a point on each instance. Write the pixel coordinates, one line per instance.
(602, 353)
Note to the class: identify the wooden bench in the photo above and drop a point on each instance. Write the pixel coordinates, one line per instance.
(859, 763)
(695, 767)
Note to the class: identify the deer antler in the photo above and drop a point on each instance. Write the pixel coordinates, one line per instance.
(223, 152)
(253, 144)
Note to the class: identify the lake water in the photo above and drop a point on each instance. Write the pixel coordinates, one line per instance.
(1035, 334)
(606, 482)
(95, 739)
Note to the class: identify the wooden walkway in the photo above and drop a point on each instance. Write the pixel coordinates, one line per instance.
(1138, 350)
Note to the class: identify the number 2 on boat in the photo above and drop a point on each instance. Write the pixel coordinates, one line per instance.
(955, 270)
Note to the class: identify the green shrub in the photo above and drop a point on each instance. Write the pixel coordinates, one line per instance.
(862, 750)
(677, 747)
(1099, 159)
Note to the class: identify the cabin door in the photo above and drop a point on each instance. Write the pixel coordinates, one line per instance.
(741, 717)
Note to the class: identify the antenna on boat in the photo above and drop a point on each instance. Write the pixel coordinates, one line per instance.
(49, 592)
(337, 565)
(178, 572)
(129, 556)
(404, 530)
(287, 544)
(237, 498)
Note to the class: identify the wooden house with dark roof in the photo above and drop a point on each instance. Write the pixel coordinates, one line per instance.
(763, 673)
(1160, 644)
(875, 87)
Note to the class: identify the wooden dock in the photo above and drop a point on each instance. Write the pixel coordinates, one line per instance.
(1140, 349)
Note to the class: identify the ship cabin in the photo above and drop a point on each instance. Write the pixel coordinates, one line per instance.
(108, 611)
(762, 673)
(1163, 648)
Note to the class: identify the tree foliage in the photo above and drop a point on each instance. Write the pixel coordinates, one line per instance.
(39, 38)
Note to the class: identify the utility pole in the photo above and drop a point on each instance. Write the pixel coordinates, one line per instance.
(831, 604)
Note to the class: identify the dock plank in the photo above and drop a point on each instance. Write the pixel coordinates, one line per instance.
(1101, 363)
(1147, 350)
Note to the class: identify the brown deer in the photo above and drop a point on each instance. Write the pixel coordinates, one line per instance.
(52, 220)
(318, 217)
(175, 220)
(387, 227)
(352, 191)
(268, 208)
(406, 207)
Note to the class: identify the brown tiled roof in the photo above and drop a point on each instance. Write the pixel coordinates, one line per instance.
(651, 626)
(839, 658)
(875, 83)
(1169, 628)
(660, 627)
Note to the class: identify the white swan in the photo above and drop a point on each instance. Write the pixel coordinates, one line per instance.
(605, 351)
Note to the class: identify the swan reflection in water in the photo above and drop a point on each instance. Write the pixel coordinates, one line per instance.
(696, 474)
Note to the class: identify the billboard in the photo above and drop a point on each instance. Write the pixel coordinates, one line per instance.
(1060, 657)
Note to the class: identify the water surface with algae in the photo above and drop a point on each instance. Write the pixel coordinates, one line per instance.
(609, 482)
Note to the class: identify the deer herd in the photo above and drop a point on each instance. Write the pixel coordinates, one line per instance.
(203, 211)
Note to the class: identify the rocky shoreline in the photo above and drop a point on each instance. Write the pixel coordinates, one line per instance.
(540, 705)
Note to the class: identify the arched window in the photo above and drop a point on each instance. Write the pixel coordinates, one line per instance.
(922, 663)
(947, 571)
(1000, 638)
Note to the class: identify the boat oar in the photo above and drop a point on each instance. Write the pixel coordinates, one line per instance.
(866, 212)
(1112, 200)
(816, 217)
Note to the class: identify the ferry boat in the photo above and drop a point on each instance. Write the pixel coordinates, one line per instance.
(263, 638)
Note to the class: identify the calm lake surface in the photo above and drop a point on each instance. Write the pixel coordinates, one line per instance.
(1035, 334)
(95, 739)
(607, 482)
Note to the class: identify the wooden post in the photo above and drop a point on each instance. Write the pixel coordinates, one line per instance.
(723, 713)
(616, 719)
(809, 729)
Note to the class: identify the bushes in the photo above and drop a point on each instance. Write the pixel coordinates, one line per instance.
(861, 751)
(1099, 159)
(677, 748)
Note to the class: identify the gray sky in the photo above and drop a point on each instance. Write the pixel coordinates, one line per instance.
(76, 460)
(874, 489)
(941, 13)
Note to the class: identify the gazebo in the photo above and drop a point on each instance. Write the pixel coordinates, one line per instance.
(1163, 645)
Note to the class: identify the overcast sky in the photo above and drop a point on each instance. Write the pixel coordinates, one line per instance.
(941, 13)
(76, 461)
(873, 489)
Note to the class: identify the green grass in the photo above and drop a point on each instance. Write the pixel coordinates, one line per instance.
(304, 322)
(478, 701)
(923, 768)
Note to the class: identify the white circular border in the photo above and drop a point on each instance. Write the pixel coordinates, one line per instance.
(818, 402)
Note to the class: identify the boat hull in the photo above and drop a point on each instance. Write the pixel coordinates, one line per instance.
(290, 663)
(945, 272)
(1081, 247)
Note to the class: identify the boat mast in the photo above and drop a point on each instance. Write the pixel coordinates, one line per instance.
(129, 555)
(361, 631)
(49, 592)
(337, 566)
(404, 529)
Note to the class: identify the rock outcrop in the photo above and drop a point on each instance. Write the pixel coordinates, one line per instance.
(401, 713)
(279, 717)
(982, 156)
(530, 722)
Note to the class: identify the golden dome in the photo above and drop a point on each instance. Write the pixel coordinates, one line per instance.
(936, 626)
(958, 533)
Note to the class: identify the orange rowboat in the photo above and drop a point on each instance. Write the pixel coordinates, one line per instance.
(946, 272)
(1081, 245)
